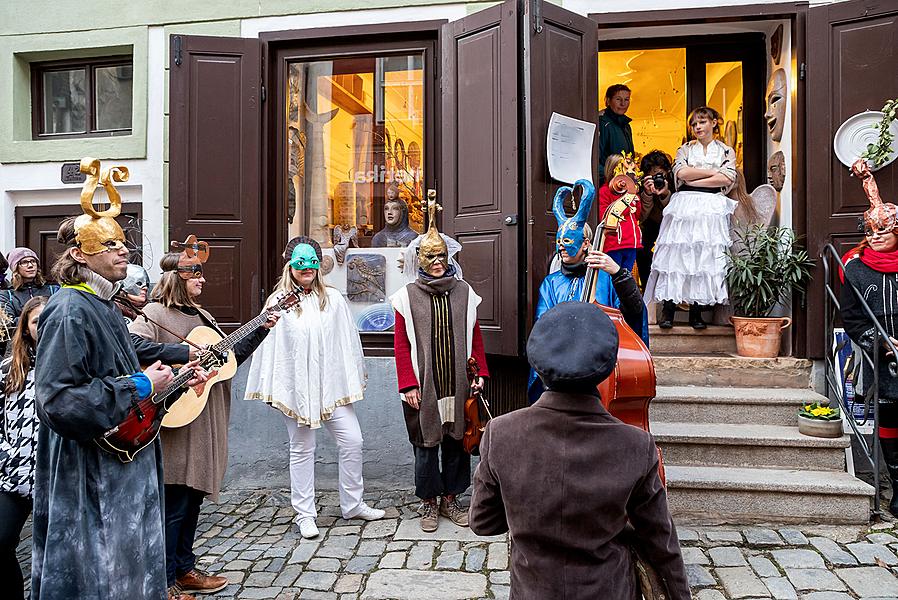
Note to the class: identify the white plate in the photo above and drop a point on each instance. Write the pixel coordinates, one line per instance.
(856, 133)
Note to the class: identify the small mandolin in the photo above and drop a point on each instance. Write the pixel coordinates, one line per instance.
(145, 418)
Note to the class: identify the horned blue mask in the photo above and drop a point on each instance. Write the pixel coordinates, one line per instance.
(570, 229)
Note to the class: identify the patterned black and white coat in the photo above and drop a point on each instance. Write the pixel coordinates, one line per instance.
(18, 436)
(880, 292)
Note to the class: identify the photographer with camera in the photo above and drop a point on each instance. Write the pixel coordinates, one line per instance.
(654, 194)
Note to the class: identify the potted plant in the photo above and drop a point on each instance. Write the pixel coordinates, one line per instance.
(764, 268)
(820, 420)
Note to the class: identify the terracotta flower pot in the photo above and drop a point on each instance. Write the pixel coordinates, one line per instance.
(819, 427)
(759, 337)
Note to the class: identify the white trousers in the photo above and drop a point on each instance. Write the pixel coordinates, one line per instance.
(344, 427)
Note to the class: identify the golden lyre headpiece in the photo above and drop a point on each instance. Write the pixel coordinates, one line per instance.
(97, 231)
(433, 247)
(626, 175)
(193, 254)
(882, 216)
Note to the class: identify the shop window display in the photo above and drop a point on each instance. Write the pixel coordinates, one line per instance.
(355, 169)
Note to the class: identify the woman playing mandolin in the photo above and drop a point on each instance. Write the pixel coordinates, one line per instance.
(195, 456)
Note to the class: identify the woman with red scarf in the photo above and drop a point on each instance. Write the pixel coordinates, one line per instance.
(872, 268)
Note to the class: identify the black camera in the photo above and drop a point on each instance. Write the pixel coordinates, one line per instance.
(659, 181)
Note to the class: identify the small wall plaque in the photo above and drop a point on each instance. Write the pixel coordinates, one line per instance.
(71, 173)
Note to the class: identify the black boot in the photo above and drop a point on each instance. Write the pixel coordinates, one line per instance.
(695, 317)
(890, 453)
(668, 310)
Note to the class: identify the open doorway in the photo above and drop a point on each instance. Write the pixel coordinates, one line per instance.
(669, 77)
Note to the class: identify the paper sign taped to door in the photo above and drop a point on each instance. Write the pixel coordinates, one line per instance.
(569, 148)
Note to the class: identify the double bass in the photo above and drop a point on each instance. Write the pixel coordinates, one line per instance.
(628, 391)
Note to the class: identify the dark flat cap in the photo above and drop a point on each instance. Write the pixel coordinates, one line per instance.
(573, 343)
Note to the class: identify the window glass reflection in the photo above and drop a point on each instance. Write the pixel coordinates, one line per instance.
(65, 99)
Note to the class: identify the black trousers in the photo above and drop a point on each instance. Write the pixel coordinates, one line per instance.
(644, 255)
(182, 513)
(14, 511)
(453, 478)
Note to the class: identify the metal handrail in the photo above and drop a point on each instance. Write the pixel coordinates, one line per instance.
(833, 384)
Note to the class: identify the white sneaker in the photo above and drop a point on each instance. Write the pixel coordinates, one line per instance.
(366, 513)
(307, 528)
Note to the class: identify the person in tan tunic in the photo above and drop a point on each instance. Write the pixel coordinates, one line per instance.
(194, 456)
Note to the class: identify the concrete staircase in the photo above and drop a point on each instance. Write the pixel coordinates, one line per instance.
(732, 452)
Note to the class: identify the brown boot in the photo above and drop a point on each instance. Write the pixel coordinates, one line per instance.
(197, 581)
(175, 593)
(430, 515)
(452, 510)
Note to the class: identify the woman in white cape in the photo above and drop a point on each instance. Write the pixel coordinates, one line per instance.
(312, 370)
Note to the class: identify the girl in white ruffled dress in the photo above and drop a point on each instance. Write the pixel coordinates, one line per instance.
(689, 263)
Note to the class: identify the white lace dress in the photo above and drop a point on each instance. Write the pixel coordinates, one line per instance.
(689, 264)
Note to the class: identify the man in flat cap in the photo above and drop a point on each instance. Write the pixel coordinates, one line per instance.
(568, 480)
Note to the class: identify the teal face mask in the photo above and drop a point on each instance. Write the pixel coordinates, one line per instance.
(304, 257)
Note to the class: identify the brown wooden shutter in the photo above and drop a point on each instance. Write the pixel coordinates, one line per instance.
(214, 170)
(852, 66)
(562, 77)
(479, 170)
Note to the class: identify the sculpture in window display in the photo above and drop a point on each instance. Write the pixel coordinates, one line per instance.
(396, 232)
(776, 170)
(777, 90)
(366, 278)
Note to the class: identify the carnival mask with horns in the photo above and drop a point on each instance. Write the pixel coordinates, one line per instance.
(570, 234)
(882, 216)
(432, 249)
(193, 254)
(97, 231)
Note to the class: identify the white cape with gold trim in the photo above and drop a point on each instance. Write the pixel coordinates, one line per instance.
(311, 362)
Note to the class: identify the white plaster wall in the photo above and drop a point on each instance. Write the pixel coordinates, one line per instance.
(450, 12)
(38, 184)
(599, 6)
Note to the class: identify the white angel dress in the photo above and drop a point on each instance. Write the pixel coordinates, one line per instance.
(311, 363)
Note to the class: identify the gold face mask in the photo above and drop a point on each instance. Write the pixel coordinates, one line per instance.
(433, 249)
(97, 231)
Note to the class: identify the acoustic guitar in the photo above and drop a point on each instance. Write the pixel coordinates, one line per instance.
(188, 407)
(144, 420)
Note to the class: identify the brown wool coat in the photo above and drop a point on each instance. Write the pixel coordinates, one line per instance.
(195, 455)
(564, 477)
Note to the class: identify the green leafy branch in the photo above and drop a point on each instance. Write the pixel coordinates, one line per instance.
(878, 153)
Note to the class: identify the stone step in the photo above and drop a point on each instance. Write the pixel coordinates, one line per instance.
(722, 371)
(719, 444)
(716, 339)
(695, 404)
(746, 495)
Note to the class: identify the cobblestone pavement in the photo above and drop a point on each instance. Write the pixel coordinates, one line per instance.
(250, 538)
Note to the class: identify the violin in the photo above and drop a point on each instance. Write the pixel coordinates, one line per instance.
(473, 425)
(627, 392)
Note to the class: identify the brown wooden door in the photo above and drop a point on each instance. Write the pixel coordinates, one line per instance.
(214, 171)
(479, 170)
(852, 66)
(36, 228)
(561, 76)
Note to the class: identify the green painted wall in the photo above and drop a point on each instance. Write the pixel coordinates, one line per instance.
(16, 55)
(78, 15)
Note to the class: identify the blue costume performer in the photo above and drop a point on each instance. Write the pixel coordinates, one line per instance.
(615, 286)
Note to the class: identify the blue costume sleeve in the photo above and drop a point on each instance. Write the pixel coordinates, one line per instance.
(143, 384)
